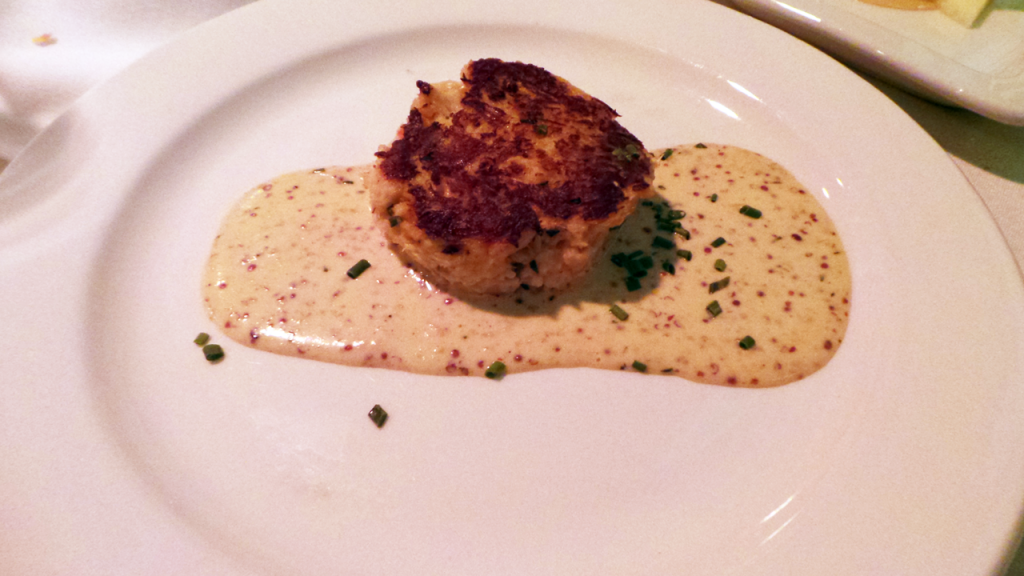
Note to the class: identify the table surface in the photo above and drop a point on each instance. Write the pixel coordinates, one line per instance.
(53, 51)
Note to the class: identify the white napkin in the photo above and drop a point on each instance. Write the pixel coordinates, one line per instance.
(53, 51)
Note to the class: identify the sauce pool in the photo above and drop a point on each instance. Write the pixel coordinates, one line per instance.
(277, 280)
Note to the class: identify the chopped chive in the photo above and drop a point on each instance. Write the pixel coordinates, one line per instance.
(358, 269)
(635, 270)
(319, 171)
(496, 370)
(394, 221)
(747, 343)
(684, 233)
(668, 267)
(661, 242)
(684, 254)
(541, 129)
(667, 153)
(714, 197)
(632, 284)
(378, 415)
(628, 153)
(213, 353)
(716, 286)
(751, 212)
(714, 308)
(720, 265)
(633, 255)
(202, 339)
(619, 312)
(668, 226)
(533, 265)
(619, 259)
(646, 261)
(700, 146)
(639, 366)
(718, 242)
(676, 215)
(646, 203)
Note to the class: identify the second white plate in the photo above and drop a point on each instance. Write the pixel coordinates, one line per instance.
(981, 68)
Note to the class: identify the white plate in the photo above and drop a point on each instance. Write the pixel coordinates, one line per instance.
(125, 452)
(979, 68)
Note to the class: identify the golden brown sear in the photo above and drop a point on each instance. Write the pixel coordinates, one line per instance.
(509, 179)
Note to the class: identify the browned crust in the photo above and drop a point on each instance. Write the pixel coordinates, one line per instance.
(524, 151)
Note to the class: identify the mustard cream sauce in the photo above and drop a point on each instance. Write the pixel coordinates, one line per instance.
(277, 281)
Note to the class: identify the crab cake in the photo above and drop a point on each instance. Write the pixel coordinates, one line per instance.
(507, 180)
